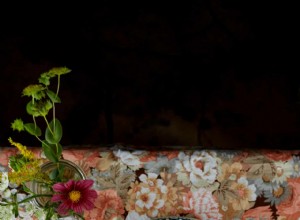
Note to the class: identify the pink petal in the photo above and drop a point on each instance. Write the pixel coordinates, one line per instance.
(77, 208)
(57, 198)
(70, 185)
(92, 194)
(88, 205)
(84, 184)
(59, 187)
(63, 208)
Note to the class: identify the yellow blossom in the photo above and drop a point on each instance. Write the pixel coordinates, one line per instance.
(23, 149)
(30, 171)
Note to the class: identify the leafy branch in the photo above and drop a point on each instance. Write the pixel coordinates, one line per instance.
(42, 102)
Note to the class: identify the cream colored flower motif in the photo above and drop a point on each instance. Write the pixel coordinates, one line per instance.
(149, 201)
(129, 159)
(152, 182)
(283, 170)
(201, 166)
(173, 197)
(133, 215)
(145, 198)
(148, 196)
(246, 194)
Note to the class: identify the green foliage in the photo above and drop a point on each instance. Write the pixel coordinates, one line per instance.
(53, 132)
(42, 104)
(33, 129)
(34, 91)
(18, 125)
(54, 98)
(52, 151)
(17, 161)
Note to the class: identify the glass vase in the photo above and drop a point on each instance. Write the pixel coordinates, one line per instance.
(70, 171)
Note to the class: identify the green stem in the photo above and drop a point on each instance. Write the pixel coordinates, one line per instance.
(48, 125)
(34, 121)
(58, 84)
(53, 114)
(57, 91)
(43, 142)
(34, 196)
(26, 200)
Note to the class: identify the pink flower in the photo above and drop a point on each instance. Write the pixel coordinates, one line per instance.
(107, 206)
(202, 204)
(74, 195)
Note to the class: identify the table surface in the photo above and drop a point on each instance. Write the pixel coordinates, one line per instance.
(142, 183)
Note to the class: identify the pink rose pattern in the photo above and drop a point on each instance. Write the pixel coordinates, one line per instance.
(244, 185)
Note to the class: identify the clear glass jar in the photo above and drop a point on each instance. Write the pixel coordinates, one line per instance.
(70, 171)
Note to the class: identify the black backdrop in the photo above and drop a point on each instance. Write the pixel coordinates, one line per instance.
(210, 73)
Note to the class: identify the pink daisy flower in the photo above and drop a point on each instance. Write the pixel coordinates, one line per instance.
(74, 195)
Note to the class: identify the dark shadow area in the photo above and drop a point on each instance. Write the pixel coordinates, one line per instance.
(205, 73)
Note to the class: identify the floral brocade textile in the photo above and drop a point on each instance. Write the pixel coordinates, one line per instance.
(134, 184)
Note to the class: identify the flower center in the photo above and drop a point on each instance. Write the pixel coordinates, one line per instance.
(74, 196)
(199, 165)
(277, 193)
(279, 171)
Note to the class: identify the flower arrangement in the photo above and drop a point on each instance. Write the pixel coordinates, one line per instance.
(63, 193)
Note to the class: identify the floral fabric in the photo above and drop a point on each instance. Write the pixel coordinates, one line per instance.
(135, 184)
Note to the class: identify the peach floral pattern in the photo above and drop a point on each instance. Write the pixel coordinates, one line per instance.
(108, 205)
(290, 207)
(202, 184)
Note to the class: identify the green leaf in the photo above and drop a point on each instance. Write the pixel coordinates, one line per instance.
(34, 91)
(25, 188)
(33, 129)
(17, 125)
(57, 71)
(50, 151)
(53, 134)
(53, 96)
(44, 107)
(32, 109)
(54, 173)
(44, 79)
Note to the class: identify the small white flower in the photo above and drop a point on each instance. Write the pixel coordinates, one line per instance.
(6, 194)
(283, 170)
(224, 208)
(129, 159)
(4, 181)
(13, 191)
(133, 215)
(6, 213)
(145, 198)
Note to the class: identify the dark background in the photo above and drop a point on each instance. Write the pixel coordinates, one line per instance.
(211, 73)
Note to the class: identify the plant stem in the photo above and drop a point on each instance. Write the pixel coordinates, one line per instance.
(27, 199)
(48, 125)
(58, 84)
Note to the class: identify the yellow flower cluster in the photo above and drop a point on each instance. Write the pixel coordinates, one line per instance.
(30, 171)
(22, 149)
